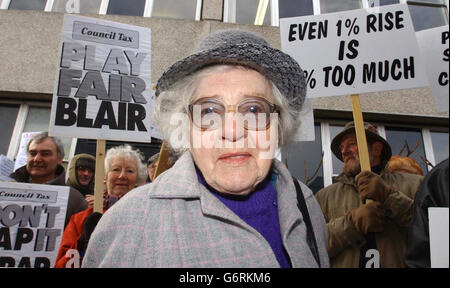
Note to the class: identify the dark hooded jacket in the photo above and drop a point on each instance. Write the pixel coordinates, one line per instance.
(432, 193)
(85, 160)
(76, 202)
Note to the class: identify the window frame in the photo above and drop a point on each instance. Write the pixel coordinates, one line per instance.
(327, 164)
(229, 9)
(148, 8)
(19, 125)
(229, 12)
(326, 143)
(427, 4)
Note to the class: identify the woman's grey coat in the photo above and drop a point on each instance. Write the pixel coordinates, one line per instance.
(176, 222)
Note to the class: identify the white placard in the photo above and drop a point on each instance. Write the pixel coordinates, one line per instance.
(433, 45)
(32, 223)
(21, 158)
(357, 51)
(6, 168)
(439, 241)
(103, 87)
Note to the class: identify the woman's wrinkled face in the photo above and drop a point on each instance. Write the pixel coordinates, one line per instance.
(233, 157)
(121, 177)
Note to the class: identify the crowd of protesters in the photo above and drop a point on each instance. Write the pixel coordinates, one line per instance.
(227, 201)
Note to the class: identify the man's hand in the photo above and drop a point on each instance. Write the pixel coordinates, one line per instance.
(372, 186)
(90, 200)
(367, 218)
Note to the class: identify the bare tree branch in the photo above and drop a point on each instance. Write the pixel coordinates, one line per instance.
(414, 149)
(403, 148)
(408, 150)
(426, 161)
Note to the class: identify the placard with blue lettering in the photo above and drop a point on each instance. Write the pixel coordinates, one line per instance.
(103, 86)
(357, 51)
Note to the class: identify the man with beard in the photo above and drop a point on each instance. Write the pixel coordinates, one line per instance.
(367, 233)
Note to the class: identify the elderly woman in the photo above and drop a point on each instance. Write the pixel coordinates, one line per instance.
(124, 170)
(226, 202)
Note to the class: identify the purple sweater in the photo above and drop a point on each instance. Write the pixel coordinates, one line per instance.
(259, 210)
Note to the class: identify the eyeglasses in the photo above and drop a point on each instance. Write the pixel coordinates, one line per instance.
(254, 113)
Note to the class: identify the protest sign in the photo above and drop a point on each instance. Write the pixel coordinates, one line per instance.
(355, 51)
(439, 240)
(6, 168)
(433, 45)
(31, 223)
(103, 87)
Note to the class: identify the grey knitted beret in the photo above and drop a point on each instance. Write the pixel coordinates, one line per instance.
(244, 48)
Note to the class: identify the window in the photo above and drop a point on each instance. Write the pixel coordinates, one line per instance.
(337, 164)
(329, 6)
(305, 157)
(428, 14)
(179, 9)
(38, 119)
(386, 2)
(440, 146)
(404, 141)
(129, 7)
(425, 14)
(246, 11)
(8, 115)
(77, 6)
(186, 9)
(27, 4)
(19, 118)
(295, 8)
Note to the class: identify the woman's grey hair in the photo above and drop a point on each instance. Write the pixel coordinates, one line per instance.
(175, 102)
(126, 152)
(40, 137)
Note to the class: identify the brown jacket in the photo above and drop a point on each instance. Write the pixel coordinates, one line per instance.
(344, 242)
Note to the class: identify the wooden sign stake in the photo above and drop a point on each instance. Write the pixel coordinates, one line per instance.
(163, 160)
(99, 187)
(360, 133)
(363, 151)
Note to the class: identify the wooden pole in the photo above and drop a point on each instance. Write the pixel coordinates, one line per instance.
(99, 176)
(360, 133)
(162, 163)
(363, 151)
